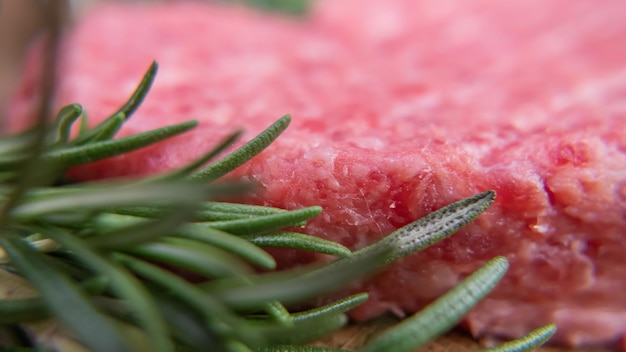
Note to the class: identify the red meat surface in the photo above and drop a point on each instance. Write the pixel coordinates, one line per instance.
(400, 107)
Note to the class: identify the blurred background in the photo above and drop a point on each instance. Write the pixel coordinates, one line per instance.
(22, 20)
(19, 22)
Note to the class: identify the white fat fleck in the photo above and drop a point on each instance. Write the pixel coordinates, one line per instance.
(594, 91)
(370, 143)
(543, 229)
(422, 102)
(315, 50)
(321, 156)
(527, 119)
(386, 23)
(560, 102)
(221, 114)
(171, 76)
(606, 324)
(358, 170)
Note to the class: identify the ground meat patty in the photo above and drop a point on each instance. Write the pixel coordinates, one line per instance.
(399, 107)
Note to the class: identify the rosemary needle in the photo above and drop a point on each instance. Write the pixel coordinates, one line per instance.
(299, 241)
(527, 342)
(244, 153)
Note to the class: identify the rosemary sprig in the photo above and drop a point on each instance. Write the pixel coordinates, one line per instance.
(297, 240)
(103, 256)
(83, 318)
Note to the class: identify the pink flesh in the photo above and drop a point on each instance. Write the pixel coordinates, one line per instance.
(400, 107)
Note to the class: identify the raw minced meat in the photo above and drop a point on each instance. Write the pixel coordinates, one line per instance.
(399, 107)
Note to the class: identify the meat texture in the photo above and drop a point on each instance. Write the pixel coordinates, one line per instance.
(400, 107)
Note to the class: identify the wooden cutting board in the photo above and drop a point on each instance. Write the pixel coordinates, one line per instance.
(355, 336)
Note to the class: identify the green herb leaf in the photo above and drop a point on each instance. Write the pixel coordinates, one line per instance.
(19, 301)
(114, 223)
(196, 257)
(435, 226)
(65, 300)
(107, 129)
(442, 314)
(295, 285)
(527, 342)
(302, 331)
(189, 168)
(233, 244)
(340, 306)
(266, 223)
(16, 143)
(118, 237)
(187, 327)
(100, 150)
(243, 154)
(301, 241)
(125, 285)
(103, 197)
(279, 313)
(294, 7)
(215, 316)
(140, 92)
(130, 106)
(209, 211)
(64, 121)
(19, 310)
